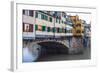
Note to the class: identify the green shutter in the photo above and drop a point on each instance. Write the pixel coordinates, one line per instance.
(53, 29)
(50, 19)
(48, 29)
(43, 28)
(36, 27)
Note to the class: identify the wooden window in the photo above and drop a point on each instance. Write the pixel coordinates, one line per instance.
(27, 27)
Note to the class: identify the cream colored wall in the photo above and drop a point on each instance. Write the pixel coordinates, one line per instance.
(28, 19)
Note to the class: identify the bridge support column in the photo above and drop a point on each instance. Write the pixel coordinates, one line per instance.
(76, 45)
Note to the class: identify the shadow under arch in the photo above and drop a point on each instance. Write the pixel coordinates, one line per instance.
(53, 47)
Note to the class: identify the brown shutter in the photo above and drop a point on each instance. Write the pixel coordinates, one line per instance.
(30, 27)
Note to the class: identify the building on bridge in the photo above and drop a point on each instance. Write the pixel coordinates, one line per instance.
(45, 24)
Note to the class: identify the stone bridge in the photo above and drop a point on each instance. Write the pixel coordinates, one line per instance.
(49, 46)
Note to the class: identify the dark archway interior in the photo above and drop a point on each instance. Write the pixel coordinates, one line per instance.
(51, 47)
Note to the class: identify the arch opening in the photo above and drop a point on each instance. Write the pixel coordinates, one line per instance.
(52, 47)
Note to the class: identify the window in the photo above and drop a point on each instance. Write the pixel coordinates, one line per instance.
(74, 20)
(78, 25)
(25, 12)
(46, 17)
(50, 19)
(62, 22)
(59, 21)
(36, 27)
(42, 16)
(58, 30)
(82, 31)
(36, 15)
(48, 29)
(56, 20)
(53, 29)
(65, 30)
(78, 31)
(27, 27)
(43, 28)
(31, 13)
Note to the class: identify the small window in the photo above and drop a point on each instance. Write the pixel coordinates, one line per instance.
(78, 31)
(36, 15)
(58, 30)
(50, 19)
(53, 29)
(65, 30)
(27, 27)
(31, 13)
(59, 21)
(24, 12)
(46, 17)
(43, 28)
(56, 20)
(62, 22)
(36, 27)
(48, 29)
(42, 16)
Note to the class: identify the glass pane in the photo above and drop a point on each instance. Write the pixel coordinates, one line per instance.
(36, 15)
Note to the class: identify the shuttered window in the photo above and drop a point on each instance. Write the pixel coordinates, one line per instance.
(48, 29)
(42, 16)
(36, 15)
(50, 19)
(60, 30)
(53, 29)
(27, 27)
(36, 27)
(46, 17)
(43, 28)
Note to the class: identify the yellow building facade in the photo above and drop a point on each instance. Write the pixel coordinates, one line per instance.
(78, 28)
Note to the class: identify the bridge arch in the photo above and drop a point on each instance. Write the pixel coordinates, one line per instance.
(53, 47)
(44, 47)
